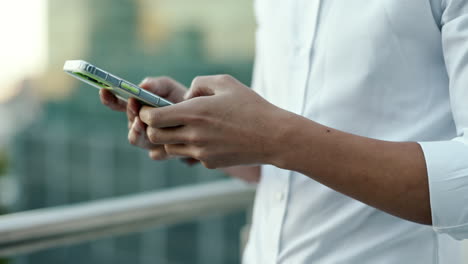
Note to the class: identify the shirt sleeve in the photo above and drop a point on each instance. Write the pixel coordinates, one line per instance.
(447, 161)
(257, 83)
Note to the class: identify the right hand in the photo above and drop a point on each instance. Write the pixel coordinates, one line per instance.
(165, 87)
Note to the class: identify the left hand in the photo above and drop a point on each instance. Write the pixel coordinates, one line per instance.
(222, 123)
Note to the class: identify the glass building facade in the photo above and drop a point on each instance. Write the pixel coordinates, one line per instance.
(76, 150)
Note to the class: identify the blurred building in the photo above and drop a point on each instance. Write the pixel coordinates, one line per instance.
(77, 149)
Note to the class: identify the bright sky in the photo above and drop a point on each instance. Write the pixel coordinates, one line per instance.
(23, 45)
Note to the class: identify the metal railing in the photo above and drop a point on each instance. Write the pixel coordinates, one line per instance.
(52, 227)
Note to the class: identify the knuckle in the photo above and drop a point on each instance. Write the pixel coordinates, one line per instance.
(197, 81)
(225, 78)
(132, 138)
(152, 135)
(194, 138)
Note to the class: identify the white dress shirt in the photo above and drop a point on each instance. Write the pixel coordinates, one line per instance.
(393, 70)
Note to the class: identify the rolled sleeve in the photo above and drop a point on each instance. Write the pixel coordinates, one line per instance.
(447, 161)
(447, 166)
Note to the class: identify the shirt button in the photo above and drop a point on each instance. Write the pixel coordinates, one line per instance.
(300, 51)
(279, 196)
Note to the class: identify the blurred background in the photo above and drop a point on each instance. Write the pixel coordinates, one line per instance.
(60, 146)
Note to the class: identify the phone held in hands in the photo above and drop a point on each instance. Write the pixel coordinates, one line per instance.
(101, 79)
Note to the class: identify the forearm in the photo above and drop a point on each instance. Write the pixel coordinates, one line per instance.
(390, 176)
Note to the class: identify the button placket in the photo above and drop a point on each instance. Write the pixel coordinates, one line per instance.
(301, 63)
(304, 54)
(279, 196)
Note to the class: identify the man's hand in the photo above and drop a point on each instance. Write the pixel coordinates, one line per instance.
(162, 86)
(223, 123)
(174, 92)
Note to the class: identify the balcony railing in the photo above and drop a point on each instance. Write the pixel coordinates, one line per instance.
(34, 230)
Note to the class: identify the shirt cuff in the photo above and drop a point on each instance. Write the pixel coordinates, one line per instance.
(447, 169)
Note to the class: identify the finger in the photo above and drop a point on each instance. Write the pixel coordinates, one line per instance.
(172, 135)
(111, 101)
(133, 107)
(137, 136)
(164, 87)
(160, 86)
(209, 85)
(168, 116)
(182, 150)
(158, 154)
(201, 86)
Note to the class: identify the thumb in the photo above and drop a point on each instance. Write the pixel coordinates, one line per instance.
(198, 91)
(202, 86)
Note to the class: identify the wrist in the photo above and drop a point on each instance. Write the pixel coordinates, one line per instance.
(281, 136)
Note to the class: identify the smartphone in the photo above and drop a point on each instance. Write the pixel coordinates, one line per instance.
(102, 79)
